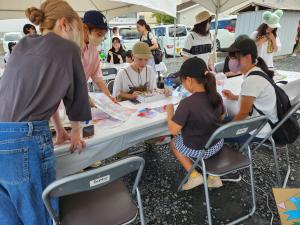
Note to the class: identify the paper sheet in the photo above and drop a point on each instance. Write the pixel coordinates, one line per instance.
(116, 111)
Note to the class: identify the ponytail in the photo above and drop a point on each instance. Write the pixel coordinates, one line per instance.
(148, 27)
(211, 90)
(142, 22)
(263, 66)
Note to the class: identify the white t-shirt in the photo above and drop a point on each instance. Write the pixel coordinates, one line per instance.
(265, 98)
(198, 45)
(123, 83)
(263, 50)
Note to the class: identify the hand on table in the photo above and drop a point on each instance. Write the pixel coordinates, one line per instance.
(76, 142)
(229, 95)
(61, 136)
(136, 94)
(166, 92)
(113, 99)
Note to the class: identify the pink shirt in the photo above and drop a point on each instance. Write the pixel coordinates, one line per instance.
(91, 62)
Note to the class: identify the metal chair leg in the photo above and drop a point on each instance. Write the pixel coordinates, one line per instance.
(252, 192)
(288, 167)
(276, 161)
(206, 192)
(142, 219)
(252, 184)
(188, 174)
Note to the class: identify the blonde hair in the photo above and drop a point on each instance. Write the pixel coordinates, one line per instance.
(50, 11)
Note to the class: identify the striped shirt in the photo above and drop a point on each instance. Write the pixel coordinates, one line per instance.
(198, 45)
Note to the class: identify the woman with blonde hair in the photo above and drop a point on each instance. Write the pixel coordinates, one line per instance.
(42, 71)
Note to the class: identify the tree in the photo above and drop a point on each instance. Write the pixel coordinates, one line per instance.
(162, 18)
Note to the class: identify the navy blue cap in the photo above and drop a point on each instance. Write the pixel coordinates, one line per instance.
(95, 18)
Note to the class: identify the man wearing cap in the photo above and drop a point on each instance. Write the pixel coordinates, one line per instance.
(94, 29)
(199, 42)
(138, 77)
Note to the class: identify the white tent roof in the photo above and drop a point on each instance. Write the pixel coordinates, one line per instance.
(14, 9)
(220, 5)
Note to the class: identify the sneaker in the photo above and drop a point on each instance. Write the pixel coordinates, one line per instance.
(193, 182)
(214, 182)
(294, 54)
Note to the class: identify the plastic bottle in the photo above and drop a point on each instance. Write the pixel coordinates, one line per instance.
(169, 85)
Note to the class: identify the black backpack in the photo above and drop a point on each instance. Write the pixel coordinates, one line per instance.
(289, 131)
(157, 53)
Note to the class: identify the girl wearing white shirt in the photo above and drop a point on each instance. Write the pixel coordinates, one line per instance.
(256, 92)
(266, 37)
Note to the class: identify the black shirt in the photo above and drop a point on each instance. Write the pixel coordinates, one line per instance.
(115, 54)
(198, 119)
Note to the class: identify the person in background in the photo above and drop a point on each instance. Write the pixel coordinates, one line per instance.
(43, 70)
(266, 37)
(117, 54)
(257, 93)
(129, 56)
(199, 42)
(296, 40)
(29, 29)
(115, 33)
(148, 37)
(231, 64)
(11, 46)
(136, 78)
(94, 29)
(196, 119)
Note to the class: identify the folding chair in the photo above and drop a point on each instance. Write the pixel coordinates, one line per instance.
(228, 160)
(109, 74)
(97, 196)
(269, 137)
(219, 67)
(110, 86)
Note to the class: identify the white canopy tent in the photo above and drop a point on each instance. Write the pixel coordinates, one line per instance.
(14, 9)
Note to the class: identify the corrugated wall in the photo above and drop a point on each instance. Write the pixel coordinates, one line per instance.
(248, 22)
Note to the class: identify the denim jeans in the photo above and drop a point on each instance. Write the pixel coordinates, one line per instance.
(27, 166)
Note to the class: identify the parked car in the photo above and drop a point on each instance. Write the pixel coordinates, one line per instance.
(129, 35)
(165, 36)
(11, 37)
(226, 32)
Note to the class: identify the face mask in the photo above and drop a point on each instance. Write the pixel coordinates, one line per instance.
(234, 65)
(72, 34)
(95, 41)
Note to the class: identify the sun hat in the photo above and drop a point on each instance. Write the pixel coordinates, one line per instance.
(203, 16)
(272, 19)
(141, 50)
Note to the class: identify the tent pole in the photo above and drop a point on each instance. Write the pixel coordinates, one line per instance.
(174, 52)
(215, 57)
